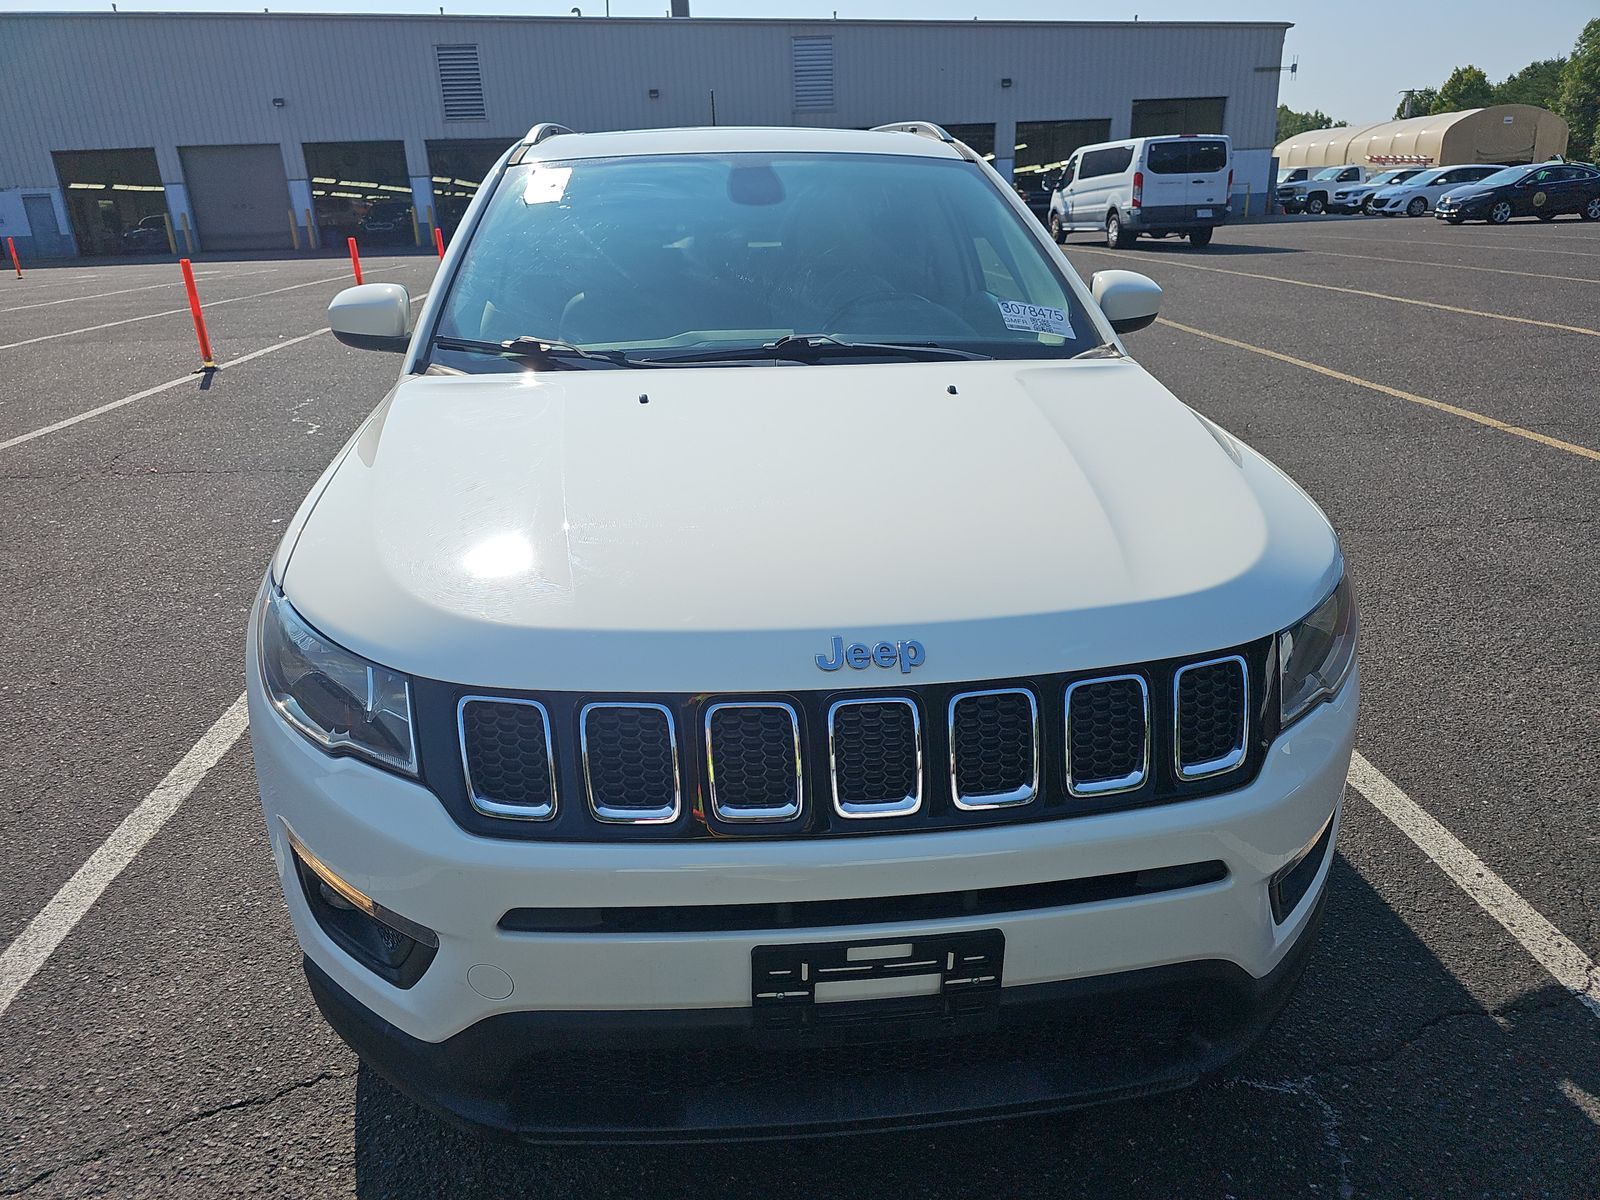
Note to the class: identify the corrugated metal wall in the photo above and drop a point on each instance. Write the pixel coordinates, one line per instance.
(90, 81)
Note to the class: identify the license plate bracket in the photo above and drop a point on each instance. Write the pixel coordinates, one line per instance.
(788, 976)
(1202, 212)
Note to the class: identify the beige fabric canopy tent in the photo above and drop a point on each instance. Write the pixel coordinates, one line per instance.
(1501, 133)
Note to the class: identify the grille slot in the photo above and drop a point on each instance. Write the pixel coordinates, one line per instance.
(994, 748)
(753, 761)
(1211, 718)
(1108, 735)
(876, 750)
(630, 762)
(506, 752)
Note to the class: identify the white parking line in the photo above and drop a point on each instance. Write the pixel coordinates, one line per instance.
(39, 939)
(1552, 949)
(160, 387)
(172, 311)
(124, 291)
(1463, 245)
(170, 384)
(1169, 261)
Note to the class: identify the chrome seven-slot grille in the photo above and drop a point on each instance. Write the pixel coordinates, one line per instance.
(852, 762)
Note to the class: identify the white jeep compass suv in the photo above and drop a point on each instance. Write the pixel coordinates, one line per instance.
(773, 664)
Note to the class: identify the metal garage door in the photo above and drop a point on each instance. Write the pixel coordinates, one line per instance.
(240, 196)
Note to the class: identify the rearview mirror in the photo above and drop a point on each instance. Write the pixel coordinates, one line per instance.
(373, 316)
(1129, 300)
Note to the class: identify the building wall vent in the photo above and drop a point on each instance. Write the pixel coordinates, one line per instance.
(813, 72)
(460, 83)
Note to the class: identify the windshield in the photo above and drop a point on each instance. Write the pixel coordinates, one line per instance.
(660, 255)
(1328, 173)
(1394, 176)
(1424, 178)
(1500, 178)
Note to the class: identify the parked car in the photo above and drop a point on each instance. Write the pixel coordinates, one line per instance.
(387, 222)
(149, 236)
(559, 794)
(1545, 190)
(1312, 195)
(1153, 185)
(1357, 197)
(1421, 192)
(1036, 188)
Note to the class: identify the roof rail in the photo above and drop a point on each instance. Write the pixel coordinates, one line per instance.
(544, 129)
(922, 128)
(928, 129)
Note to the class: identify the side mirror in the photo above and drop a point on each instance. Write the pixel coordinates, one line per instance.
(373, 316)
(1129, 300)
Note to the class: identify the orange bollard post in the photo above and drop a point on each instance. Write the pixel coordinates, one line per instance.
(355, 258)
(206, 364)
(11, 245)
(438, 240)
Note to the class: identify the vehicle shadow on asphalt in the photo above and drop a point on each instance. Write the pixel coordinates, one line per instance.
(1178, 245)
(1383, 1077)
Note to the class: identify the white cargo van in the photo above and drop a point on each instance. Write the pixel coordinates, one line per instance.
(1154, 185)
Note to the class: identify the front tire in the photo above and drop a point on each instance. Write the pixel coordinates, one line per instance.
(1057, 233)
(1116, 236)
(1366, 206)
(1417, 207)
(1200, 238)
(1591, 209)
(1500, 213)
(1316, 205)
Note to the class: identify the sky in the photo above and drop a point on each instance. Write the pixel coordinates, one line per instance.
(1354, 56)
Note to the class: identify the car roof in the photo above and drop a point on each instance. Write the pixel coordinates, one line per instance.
(737, 139)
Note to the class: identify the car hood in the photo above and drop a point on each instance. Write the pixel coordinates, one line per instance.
(715, 529)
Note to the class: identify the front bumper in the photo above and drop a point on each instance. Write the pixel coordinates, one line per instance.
(697, 1075)
(689, 994)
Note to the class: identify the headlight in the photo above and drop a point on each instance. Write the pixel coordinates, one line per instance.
(1315, 655)
(341, 702)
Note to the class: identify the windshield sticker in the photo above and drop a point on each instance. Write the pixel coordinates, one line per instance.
(1035, 318)
(546, 185)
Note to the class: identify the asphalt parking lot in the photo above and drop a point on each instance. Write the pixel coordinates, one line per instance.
(1435, 388)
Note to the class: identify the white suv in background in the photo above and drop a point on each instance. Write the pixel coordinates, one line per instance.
(1420, 193)
(1357, 197)
(773, 664)
(1151, 185)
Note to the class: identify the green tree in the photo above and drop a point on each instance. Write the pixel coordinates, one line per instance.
(1422, 103)
(1580, 93)
(1291, 122)
(1538, 83)
(1467, 87)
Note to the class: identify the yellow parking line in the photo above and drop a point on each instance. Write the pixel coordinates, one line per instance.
(1440, 405)
(1328, 287)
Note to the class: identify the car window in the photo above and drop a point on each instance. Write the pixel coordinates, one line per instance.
(1111, 161)
(1508, 175)
(1198, 155)
(709, 251)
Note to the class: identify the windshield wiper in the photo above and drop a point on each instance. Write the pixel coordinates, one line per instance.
(1103, 350)
(813, 347)
(547, 350)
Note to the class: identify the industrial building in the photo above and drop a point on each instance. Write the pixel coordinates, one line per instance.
(1501, 133)
(272, 131)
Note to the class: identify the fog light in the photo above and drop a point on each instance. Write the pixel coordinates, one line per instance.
(389, 945)
(1290, 885)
